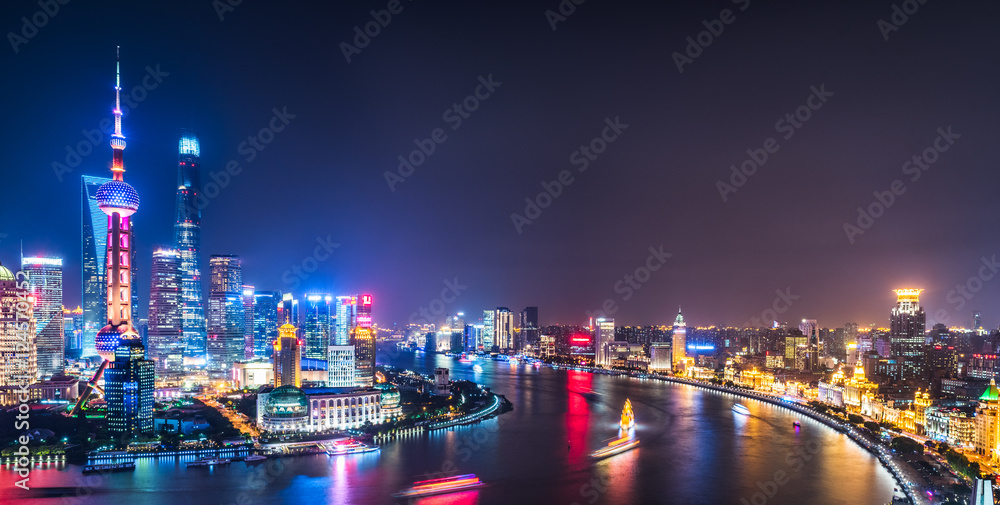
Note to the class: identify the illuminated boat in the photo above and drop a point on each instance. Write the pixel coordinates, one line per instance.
(208, 462)
(628, 418)
(616, 446)
(440, 486)
(796, 424)
(477, 368)
(740, 409)
(464, 358)
(349, 446)
(254, 458)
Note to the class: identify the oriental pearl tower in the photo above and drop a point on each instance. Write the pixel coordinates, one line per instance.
(119, 201)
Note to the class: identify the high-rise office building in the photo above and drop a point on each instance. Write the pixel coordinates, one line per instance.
(488, 341)
(363, 340)
(73, 331)
(265, 322)
(503, 329)
(907, 323)
(679, 339)
(128, 389)
(340, 368)
(18, 356)
(529, 327)
(118, 200)
(166, 335)
(94, 249)
(248, 318)
(187, 241)
(345, 319)
(45, 286)
(604, 334)
(225, 313)
(287, 357)
(288, 310)
(316, 319)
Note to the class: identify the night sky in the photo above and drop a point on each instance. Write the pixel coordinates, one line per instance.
(655, 185)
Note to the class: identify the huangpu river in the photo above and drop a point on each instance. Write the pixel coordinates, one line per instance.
(694, 450)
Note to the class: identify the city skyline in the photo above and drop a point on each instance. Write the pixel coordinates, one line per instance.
(793, 239)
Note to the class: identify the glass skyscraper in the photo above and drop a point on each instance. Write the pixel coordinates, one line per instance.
(166, 339)
(265, 322)
(128, 389)
(226, 318)
(187, 241)
(316, 326)
(46, 286)
(345, 319)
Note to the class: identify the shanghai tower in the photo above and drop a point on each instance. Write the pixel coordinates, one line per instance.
(187, 242)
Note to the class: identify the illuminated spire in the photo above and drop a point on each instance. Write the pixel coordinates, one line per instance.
(117, 139)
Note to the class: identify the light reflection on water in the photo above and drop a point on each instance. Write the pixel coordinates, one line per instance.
(694, 450)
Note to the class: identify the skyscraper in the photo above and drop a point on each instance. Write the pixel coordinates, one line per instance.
(128, 389)
(907, 323)
(488, 329)
(529, 327)
(45, 286)
(679, 339)
(187, 241)
(503, 329)
(18, 356)
(265, 322)
(604, 334)
(73, 331)
(248, 316)
(119, 201)
(345, 319)
(288, 310)
(226, 320)
(316, 320)
(166, 336)
(363, 340)
(287, 358)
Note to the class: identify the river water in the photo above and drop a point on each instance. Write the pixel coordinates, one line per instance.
(694, 451)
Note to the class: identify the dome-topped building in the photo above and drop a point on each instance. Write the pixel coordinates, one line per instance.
(285, 408)
(117, 196)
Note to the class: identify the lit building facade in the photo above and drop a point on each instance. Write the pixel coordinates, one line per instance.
(265, 322)
(987, 424)
(187, 242)
(503, 329)
(487, 341)
(679, 339)
(363, 340)
(288, 409)
(340, 368)
(316, 325)
(73, 331)
(226, 318)
(45, 286)
(128, 389)
(287, 358)
(604, 335)
(248, 318)
(345, 319)
(907, 323)
(252, 374)
(18, 355)
(166, 335)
